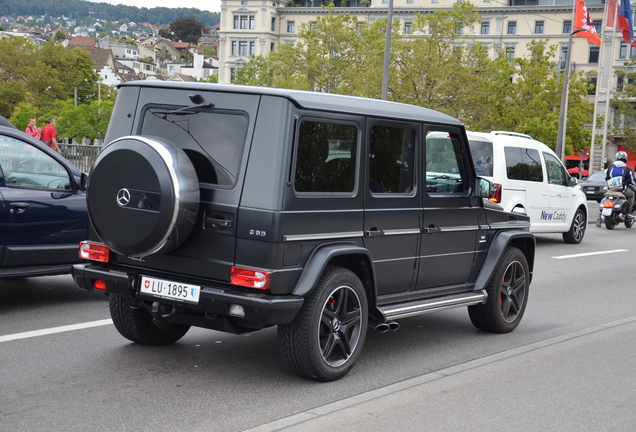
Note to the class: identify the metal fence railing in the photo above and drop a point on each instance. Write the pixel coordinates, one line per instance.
(81, 155)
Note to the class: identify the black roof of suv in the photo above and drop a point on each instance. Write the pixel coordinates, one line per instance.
(238, 208)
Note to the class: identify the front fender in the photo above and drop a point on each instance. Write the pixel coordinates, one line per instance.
(522, 240)
(321, 257)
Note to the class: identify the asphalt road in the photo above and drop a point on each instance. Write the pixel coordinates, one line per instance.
(569, 366)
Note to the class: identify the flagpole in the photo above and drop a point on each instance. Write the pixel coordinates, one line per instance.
(609, 81)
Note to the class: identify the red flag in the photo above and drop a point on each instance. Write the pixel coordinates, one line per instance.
(583, 24)
(611, 13)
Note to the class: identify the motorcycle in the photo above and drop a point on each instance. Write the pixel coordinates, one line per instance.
(615, 208)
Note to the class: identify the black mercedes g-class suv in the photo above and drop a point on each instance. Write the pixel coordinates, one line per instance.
(239, 208)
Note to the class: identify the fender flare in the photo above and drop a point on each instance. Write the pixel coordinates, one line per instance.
(523, 240)
(317, 262)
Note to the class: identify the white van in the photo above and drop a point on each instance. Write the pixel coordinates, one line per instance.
(532, 180)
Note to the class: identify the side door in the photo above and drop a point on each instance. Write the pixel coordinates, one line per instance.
(46, 217)
(450, 211)
(524, 168)
(561, 196)
(392, 203)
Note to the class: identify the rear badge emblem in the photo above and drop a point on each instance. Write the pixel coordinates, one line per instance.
(123, 197)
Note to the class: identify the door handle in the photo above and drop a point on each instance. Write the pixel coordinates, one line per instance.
(431, 229)
(215, 222)
(373, 232)
(19, 206)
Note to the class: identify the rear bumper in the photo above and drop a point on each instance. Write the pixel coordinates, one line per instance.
(261, 309)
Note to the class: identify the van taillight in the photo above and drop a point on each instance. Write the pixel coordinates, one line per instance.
(250, 278)
(94, 251)
(496, 193)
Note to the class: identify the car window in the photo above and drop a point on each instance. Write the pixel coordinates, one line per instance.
(481, 151)
(326, 157)
(598, 176)
(444, 164)
(25, 165)
(556, 171)
(391, 159)
(523, 164)
(212, 138)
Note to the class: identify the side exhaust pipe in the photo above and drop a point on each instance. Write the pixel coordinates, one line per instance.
(384, 327)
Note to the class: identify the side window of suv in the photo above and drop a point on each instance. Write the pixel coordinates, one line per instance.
(523, 164)
(326, 157)
(391, 159)
(445, 173)
(556, 172)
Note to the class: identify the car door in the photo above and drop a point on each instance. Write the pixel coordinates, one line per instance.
(45, 215)
(561, 196)
(392, 204)
(450, 211)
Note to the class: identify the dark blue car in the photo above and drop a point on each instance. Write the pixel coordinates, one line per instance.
(43, 215)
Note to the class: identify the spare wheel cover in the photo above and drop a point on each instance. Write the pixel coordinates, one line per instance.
(142, 196)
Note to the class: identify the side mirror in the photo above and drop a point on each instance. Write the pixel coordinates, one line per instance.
(573, 181)
(485, 188)
(83, 181)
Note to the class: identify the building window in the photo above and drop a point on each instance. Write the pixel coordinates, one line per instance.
(598, 25)
(291, 27)
(485, 27)
(409, 1)
(312, 25)
(232, 74)
(242, 48)
(563, 58)
(512, 27)
(510, 52)
(408, 27)
(252, 48)
(539, 27)
(234, 48)
(244, 22)
(622, 52)
(594, 50)
(567, 26)
(273, 24)
(271, 47)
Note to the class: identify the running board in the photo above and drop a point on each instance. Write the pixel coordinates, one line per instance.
(404, 310)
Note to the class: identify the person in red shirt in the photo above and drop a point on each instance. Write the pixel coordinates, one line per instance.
(33, 130)
(49, 135)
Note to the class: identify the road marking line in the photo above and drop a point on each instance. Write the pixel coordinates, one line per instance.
(53, 330)
(591, 253)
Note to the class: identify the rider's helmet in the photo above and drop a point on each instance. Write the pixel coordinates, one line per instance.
(621, 156)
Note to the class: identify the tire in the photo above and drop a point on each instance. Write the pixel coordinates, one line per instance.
(507, 295)
(609, 222)
(326, 338)
(139, 326)
(577, 229)
(629, 223)
(143, 196)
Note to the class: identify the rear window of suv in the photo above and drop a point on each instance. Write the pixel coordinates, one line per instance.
(523, 164)
(213, 139)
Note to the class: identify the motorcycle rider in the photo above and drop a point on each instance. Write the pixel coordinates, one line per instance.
(619, 168)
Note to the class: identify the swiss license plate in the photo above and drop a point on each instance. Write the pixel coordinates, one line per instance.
(607, 212)
(170, 289)
(590, 191)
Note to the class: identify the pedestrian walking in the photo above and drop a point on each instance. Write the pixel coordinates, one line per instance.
(49, 135)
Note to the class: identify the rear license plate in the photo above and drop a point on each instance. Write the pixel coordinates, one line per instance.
(607, 212)
(170, 289)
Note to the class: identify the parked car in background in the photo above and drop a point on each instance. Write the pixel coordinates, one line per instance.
(594, 187)
(531, 181)
(43, 214)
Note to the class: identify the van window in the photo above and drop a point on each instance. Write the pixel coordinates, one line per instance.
(556, 172)
(481, 152)
(213, 139)
(523, 164)
(444, 164)
(391, 159)
(326, 157)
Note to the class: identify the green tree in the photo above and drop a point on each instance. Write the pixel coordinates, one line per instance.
(624, 122)
(186, 29)
(210, 79)
(89, 120)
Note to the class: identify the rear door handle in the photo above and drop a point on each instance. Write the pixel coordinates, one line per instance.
(432, 229)
(215, 222)
(19, 206)
(373, 232)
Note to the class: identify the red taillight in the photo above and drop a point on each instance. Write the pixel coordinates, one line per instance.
(496, 193)
(608, 204)
(99, 285)
(250, 278)
(94, 251)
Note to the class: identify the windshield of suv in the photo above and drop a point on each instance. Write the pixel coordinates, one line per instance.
(212, 138)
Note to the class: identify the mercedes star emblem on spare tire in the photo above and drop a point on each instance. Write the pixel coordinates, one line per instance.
(123, 197)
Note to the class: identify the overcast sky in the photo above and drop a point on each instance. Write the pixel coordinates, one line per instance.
(209, 5)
